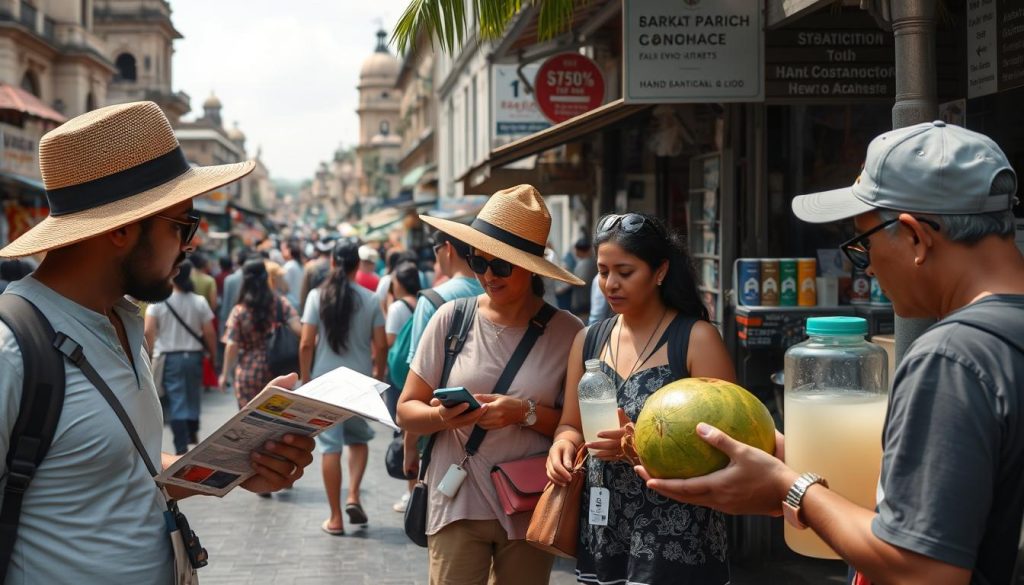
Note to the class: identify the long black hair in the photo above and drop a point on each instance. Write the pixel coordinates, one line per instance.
(654, 243)
(408, 275)
(256, 294)
(338, 300)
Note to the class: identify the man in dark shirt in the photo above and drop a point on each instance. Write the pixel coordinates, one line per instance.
(932, 208)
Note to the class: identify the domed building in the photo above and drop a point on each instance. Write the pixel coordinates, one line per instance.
(379, 147)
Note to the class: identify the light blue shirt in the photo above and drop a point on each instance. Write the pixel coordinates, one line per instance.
(451, 289)
(599, 307)
(366, 316)
(93, 514)
(293, 276)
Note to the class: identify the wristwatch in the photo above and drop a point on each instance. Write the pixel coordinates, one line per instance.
(531, 413)
(795, 495)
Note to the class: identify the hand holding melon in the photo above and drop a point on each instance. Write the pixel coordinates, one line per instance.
(665, 437)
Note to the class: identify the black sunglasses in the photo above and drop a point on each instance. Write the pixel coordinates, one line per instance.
(187, 229)
(858, 248)
(628, 222)
(479, 264)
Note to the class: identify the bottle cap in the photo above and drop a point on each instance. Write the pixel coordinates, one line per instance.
(594, 364)
(837, 326)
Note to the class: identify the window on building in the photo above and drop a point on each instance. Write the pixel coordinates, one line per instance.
(384, 95)
(473, 133)
(86, 10)
(148, 62)
(30, 83)
(467, 110)
(125, 64)
(90, 102)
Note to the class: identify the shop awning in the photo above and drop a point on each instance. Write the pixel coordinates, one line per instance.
(568, 131)
(248, 210)
(32, 185)
(412, 178)
(18, 100)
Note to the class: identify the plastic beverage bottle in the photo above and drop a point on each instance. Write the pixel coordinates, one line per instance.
(598, 402)
(835, 402)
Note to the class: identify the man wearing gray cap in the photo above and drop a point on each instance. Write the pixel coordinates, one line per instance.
(932, 208)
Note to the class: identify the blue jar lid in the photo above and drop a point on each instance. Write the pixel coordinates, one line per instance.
(837, 326)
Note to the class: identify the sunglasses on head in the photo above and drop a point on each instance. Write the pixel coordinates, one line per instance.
(858, 248)
(479, 264)
(628, 222)
(186, 228)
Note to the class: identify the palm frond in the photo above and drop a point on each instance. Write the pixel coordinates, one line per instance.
(555, 17)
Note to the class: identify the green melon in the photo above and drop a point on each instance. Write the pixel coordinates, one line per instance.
(666, 431)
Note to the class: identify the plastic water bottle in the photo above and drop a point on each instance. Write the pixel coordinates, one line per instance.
(598, 402)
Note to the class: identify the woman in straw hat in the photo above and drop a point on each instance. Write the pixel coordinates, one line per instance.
(470, 536)
(121, 221)
(661, 333)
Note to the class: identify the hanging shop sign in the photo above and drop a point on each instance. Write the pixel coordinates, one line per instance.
(824, 63)
(568, 85)
(19, 151)
(693, 51)
(515, 111)
(995, 46)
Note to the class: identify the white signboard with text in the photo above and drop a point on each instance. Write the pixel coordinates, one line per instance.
(693, 51)
(515, 110)
(982, 58)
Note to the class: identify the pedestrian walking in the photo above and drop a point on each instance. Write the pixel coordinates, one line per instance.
(933, 213)
(292, 253)
(119, 191)
(649, 280)
(366, 276)
(342, 325)
(471, 539)
(246, 334)
(179, 331)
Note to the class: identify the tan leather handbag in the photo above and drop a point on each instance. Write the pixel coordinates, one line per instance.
(555, 524)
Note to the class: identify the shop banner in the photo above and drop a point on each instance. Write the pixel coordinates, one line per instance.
(19, 152)
(995, 46)
(568, 85)
(515, 111)
(693, 51)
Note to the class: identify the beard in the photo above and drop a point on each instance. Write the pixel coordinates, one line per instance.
(136, 273)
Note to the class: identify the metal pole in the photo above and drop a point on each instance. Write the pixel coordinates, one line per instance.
(913, 25)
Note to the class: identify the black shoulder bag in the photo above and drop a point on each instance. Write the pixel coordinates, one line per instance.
(282, 345)
(465, 311)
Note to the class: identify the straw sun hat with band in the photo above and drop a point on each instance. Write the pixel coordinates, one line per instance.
(513, 226)
(112, 167)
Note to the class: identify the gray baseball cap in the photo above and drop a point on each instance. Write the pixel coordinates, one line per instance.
(933, 167)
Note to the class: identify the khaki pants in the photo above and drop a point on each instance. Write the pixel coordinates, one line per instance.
(478, 552)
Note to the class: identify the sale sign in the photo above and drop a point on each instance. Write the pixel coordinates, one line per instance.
(568, 85)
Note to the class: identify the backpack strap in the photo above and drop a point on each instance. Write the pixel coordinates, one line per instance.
(42, 400)
(462, 320)
(678, 334)
(434, 298)
(597, 336)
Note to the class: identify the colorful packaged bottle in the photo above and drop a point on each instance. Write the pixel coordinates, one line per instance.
(806, 276)
(770, 282)
(749, 281)
(788, 282)
(860, 287)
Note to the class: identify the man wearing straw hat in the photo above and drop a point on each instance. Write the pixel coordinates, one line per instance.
(121, 221)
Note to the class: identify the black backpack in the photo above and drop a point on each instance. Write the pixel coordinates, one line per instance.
(42, 400)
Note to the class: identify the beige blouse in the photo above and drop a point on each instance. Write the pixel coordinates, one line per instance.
(487, 349)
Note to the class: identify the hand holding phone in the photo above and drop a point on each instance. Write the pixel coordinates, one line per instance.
(452, 397)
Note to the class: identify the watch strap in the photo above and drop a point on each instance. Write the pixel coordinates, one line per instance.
(795, 496)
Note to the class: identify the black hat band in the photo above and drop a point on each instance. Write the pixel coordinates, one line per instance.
(507, 237)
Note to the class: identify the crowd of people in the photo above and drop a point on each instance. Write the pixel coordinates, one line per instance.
(497, 315)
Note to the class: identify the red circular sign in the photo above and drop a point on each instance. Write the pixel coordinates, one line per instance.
(568, 85)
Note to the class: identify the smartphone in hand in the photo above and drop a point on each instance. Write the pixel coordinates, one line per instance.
(452, 397)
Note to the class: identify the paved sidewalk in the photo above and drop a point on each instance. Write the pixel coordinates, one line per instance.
(253, 540)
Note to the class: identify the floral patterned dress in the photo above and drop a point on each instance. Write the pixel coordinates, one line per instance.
(252, 372)
(649, 539)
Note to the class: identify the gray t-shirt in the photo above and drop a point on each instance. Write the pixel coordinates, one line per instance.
(93, 514)
(952, 481)
(366, 316)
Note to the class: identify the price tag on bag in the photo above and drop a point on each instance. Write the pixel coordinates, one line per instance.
(599, 500)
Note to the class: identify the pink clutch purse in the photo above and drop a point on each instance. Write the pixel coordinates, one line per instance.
(520, 483)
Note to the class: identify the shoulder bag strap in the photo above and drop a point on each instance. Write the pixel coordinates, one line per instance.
(533, 333)
(42, 400)
(597, 336)
(433, 297)
(462, 320)
(198, 338)
(407, 305)
(678, 334)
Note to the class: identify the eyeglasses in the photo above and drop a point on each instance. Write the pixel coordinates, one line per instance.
(858, 248)
(629, 222)
(479, 264)
(437, 247)
(186, 229)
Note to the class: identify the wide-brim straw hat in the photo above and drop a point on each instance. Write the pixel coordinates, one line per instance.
(112, 167)
(513, 226)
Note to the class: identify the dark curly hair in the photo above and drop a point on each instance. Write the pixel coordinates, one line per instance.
(654, 243)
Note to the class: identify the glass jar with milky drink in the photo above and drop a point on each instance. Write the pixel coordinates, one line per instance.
(835, 401)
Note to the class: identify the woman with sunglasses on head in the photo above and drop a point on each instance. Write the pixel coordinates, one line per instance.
(472, 541)
(342, 325)
(649, 280)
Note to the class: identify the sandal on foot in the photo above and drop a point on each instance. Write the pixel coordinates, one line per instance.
(332, 531)
(356, 515)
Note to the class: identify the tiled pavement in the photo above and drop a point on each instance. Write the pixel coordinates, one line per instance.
(252, 540)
